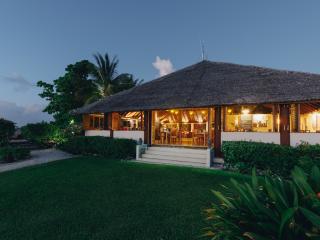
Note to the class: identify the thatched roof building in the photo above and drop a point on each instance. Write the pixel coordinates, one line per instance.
(213, 84)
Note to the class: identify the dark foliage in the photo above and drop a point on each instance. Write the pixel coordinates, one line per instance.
(109, 147)
(7, 129)
(268, 208)
(11, 154)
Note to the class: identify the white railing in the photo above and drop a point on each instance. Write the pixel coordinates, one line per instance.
(298, 138)
(266, 137)
(135, 135)
(103, 133)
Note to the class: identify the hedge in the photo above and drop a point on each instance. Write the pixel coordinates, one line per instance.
(269, 158)
(103, 146)
(12, 154)
(266, 157)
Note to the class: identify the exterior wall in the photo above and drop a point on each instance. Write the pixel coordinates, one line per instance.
(103, 133)
(272, 137)
(311, 138)
(135, 135)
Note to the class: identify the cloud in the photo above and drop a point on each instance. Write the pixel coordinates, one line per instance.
(19, 82)
(22, 115)
(164, 66)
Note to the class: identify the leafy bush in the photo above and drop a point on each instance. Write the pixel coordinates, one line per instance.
(12, 154)
(268, 208)
(7, 129)
(111, 147)
(265, 157)
(308, 156)
(43, 134)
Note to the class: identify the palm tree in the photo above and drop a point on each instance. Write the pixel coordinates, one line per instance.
(107, 80)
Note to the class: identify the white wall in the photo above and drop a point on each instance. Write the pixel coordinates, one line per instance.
(135, 135)
(266, 137)
(311, 138)
(103, 133)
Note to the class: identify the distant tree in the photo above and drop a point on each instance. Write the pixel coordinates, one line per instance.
(7, 129)
(69, 91)
(107, 80)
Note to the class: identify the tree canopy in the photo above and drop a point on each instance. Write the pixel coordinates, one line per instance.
(83, 83)
(69, 91)
(107, 79)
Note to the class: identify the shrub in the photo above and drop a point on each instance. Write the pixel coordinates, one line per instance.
(308, 156)
(7, 129)
(268, 208)
(43, 134)
(111, 147)
(265, 157)
(12, 154)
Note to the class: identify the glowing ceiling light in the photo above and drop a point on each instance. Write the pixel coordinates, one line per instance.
(245, 111)
(229, 110)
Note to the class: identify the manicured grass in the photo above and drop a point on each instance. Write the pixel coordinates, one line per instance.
(98, 198)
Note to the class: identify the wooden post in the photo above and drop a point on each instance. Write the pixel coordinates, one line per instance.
(217, 132)
(147, 127)
(275, 117)
(105, 121)
(209, 140)
(298, 117)
(109, 120)
(285, 124)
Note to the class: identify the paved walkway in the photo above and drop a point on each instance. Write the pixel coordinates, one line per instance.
(37, 157)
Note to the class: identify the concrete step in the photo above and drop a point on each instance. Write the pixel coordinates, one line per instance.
(182, 158)
(172, 162)
(178, 154)
(199, 152)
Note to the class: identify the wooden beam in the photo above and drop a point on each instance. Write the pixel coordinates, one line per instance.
(147, 127)
(217, 132)
(285, 124)
(209, 140)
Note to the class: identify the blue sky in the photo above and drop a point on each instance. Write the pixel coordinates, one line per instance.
(40, 38)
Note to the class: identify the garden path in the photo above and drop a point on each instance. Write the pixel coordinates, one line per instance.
(37, 157)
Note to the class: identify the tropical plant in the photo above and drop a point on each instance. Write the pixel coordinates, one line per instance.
(7, 129)
(43, 134)
(267, 208)
(68, 92)
(107, 80)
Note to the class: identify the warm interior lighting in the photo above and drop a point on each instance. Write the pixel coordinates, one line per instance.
(172, 111)
(258, 117)
(245, 111)
(191, 112)
(229, 110)
(203, 112)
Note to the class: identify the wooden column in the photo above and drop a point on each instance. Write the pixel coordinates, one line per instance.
(105, 121)
(285, 124)
(275, 110)
(298, 117)
(109, 126)
(209, 140)
(147, 127)
(217, 132)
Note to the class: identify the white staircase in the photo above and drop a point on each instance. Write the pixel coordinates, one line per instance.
(176, 156)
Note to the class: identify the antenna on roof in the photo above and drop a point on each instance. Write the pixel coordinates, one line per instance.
(202, 50)
(203, 56)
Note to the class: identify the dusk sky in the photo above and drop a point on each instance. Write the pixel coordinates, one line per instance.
(151, 38)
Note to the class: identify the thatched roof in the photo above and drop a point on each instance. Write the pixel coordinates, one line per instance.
(213, 83)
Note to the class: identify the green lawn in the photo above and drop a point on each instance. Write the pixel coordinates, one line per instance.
(98, 198)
